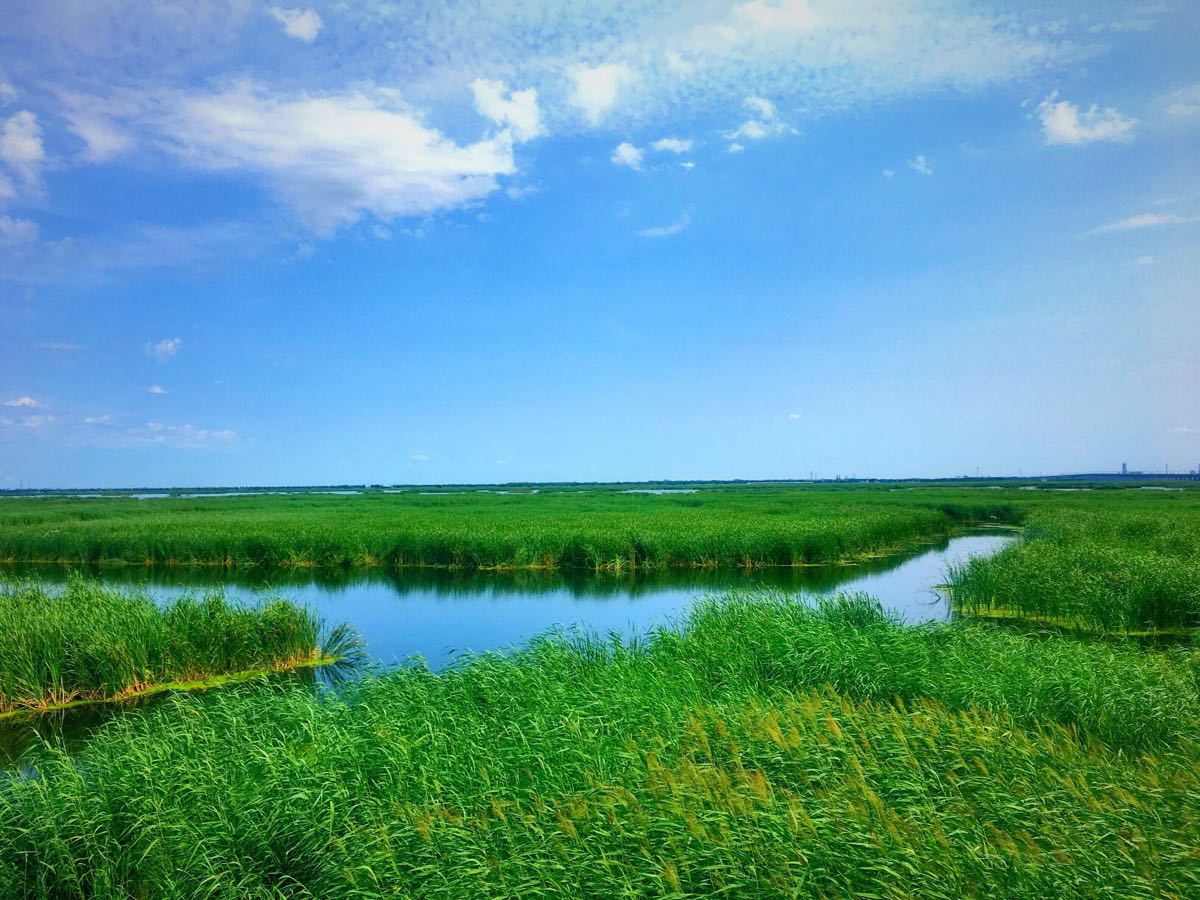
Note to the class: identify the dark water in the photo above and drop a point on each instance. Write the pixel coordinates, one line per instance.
(438, 615)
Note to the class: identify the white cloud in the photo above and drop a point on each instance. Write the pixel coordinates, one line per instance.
(334, 157)
(25, 402)
(164, 349)
(301, 24)
(184, 437)
(736, 147)
(21, 147)
(795, 417)
(764, 122)
(419, 457)
(673, 145)
(594, 89)
(97, 420)
(889, 173)
(627, 155)
(1184, 103)
(104, 139)
(761, 105)
(156, 389)
(1138, 222)
(688, 164)
(675, 227)
(1063, 123)
(8, 93)
(785, 15)
(1186, 429)
(1143, 261)
(519, 111)
(920, 165)
(17, 231)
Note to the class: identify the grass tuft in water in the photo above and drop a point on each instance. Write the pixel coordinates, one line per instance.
(88, 643)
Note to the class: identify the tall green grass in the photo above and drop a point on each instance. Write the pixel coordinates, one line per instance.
(602, 531)
(764, 749)
(1103, 569)
(89, 643)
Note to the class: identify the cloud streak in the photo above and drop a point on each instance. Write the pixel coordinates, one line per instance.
(678, 226)
(1142, 221)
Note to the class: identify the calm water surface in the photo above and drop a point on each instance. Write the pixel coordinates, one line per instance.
(439, 615)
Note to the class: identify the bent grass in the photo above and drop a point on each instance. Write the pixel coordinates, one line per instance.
(868, 763)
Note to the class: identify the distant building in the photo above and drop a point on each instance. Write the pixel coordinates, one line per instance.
(1124, 468)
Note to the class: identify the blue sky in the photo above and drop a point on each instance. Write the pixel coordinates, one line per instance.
(247, 243)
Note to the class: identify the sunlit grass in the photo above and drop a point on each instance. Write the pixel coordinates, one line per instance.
(599, 532)
(806, 752)
(88, 643)
(1104, 569)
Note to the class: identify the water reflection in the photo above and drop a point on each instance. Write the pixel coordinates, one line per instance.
(438, 615)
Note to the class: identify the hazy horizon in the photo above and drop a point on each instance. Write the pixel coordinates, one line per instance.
(247, 243)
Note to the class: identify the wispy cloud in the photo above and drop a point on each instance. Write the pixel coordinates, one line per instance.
(763, 123)
(1063, 123)
(59, 346)
(95, 124)
(21, 149)
(301, 24)
(100, 257)
(1184, 103)
(679, 225)
(1138, 222)
(673, 145)
(920, 165)
(156, 389)
(23, 403)
(183, 437)
(17, 231)
(31, 423)
(164, 349)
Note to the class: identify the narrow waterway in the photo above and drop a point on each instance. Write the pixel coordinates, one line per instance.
(438, 615)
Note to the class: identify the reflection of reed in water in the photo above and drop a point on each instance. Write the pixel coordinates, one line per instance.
(71, 728)
(468, 584)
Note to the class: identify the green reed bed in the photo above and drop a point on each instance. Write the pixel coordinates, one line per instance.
(601, 531)
(872, 760)
(88, 643)
(1106, 569)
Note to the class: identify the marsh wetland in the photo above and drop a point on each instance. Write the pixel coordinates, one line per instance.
(766, 690)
